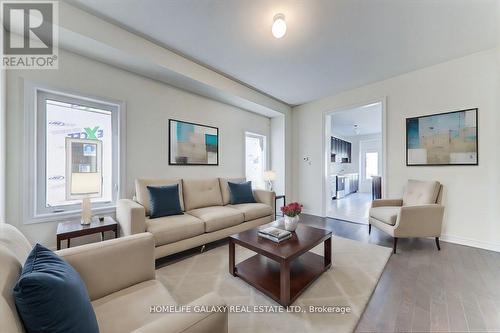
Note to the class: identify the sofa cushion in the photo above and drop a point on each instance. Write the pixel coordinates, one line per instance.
(128, 309)
(241, 193)
(164, 200)
(174, 228)
(15, 241)
(253, 211)
(218, 217)
(419, 192)
(224, 188)
(142, 193)
(50, 296)
(11, 270)
(199, 193)
(386, 214)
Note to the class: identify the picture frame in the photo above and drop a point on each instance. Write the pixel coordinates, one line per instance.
(443, 139)
(192, 143)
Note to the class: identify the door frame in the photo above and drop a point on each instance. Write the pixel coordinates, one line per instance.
(326, 149)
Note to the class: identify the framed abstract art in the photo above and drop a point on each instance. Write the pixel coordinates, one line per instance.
(443, 139)
(192, 144)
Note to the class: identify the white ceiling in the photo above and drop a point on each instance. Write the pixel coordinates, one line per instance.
(330, 45)
(368, 118)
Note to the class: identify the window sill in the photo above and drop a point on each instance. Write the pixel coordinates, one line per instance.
(73, 215)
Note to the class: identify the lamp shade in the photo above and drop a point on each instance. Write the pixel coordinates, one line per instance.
(86, 183)
(269, 175)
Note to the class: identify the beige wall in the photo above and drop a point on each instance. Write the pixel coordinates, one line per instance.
(149, 105)
(471, 192)
(277, 157)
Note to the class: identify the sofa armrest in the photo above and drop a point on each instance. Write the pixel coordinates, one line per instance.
(192, 322)
(112, 265)
(419, 221)
(265, 197)
(387, 202)
(131, 216)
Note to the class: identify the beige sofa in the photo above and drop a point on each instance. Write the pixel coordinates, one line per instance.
(120, 278)
(418, 214)
(208, 215)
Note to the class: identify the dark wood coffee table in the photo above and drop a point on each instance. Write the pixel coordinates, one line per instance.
(68, 230)
(282, 271)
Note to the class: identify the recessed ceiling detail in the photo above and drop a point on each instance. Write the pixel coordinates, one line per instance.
(362, 120)
(330, 45)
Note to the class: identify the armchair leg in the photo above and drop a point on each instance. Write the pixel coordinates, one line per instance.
(394, 245)
(369, 228)
(437, 244)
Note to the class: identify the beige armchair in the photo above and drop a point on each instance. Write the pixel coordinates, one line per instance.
(120, 278)
(418, 214)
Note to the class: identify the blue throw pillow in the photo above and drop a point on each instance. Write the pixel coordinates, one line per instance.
(241, 193)
(51, 297)
(164, 201)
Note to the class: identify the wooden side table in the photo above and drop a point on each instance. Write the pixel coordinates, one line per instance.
(276, 198)
(68, 230)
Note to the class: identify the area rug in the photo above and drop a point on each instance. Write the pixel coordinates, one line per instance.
(350, 282)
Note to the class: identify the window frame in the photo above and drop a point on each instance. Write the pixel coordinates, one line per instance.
(265, 150)
(34, 198)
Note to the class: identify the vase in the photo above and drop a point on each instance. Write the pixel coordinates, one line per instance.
(291, 222)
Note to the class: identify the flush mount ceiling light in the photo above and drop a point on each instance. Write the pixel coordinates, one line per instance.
(279, 26)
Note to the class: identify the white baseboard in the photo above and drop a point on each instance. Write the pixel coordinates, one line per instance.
(491, 246)
(308, 212)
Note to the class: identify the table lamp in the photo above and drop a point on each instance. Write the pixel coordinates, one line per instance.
(83, 173)
(86, 185)
(269, 177)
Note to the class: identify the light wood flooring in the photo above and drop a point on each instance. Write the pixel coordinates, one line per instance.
(353, 207)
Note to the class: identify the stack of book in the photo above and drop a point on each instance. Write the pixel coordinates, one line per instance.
(275, 234)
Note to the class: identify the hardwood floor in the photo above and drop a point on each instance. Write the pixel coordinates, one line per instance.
(353, 207)
(422, 289)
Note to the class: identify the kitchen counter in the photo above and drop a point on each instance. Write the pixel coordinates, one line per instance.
(346, 175)
(343, 184)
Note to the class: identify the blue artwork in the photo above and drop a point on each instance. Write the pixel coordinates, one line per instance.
(193, 144)
(412, 133)
(442, 139)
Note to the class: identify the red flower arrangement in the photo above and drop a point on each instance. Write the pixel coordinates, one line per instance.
(293, 209)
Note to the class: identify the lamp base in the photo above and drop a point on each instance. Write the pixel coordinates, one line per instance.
(83, 222)
(270, 185)
(94, 219)
(86, 212)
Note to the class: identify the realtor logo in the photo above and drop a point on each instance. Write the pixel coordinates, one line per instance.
(30, 34)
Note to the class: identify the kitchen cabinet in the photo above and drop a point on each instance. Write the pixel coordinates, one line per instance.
(345, 184)
(340, 150)
(333, 149)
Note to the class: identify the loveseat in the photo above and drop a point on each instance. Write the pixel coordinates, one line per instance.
(207, 213)
(119, 275)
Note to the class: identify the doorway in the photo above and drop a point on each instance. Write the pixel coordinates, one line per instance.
(354, 155)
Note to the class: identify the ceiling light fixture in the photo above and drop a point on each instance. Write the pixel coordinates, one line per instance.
(356, 129)
(279, 26)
